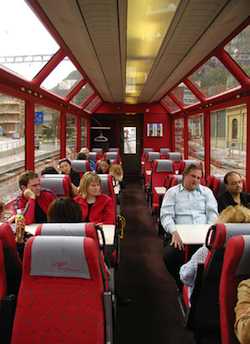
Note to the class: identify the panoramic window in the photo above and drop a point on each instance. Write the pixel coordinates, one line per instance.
(184, 95)
(195, 137)
(239, 48)
(62, 79)
(26, 46)
(83, 132)
(93, 104)
(47, 132)
(178, 134)
(71, 136)
(12, 145)
(213, 78)
(170, 104)
(85, 92)
(228, 140)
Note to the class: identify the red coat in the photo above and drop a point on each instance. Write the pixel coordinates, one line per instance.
(28, 206)
(102, 211)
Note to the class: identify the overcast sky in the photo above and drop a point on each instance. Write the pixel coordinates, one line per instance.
(21, 33)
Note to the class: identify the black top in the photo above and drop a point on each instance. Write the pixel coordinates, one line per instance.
(89, 209)
(40, 216)
(226, 199)
(75, 177)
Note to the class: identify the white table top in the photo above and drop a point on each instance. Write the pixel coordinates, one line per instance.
(109, 232)
(193, 234)
(160, 190)
(148, 172)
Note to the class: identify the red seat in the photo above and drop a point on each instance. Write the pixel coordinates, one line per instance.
(61, 294)
(59, 184)
(80, 166)
(3, 282)
(164, 153)
(113, 156)
(143, 158)
(235, 268)
(13, 264)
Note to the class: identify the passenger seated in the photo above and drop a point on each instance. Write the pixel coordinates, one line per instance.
(33, 201)
(116, 172)
(64, 210)
(65, 168)
(85, 151)
(234, 195)
(81, 156)
(49, 170)
(188, 271)
(96, 207)
(103, 167)
(242, 313)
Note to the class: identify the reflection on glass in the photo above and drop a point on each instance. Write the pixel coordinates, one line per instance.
(195, 138)
(129, 135)
(178, 134)
(184, 95)
(83, 132)
(170, 104)
(71, 136)
(228, 140)
(47, 132)
(85, 92)
(12, 145)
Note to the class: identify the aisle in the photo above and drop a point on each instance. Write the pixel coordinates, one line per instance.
(153, 317)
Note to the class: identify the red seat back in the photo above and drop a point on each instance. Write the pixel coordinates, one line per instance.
(3, 282)
(61, 294)
(235, 268)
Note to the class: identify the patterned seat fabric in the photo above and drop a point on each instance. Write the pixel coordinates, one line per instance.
(61, 294)
(235, 268)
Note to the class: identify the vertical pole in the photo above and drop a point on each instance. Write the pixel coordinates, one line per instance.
(248, 146)
(185, 134)
(78, 133)
(29, 135)
(207, 142)
(63, 134)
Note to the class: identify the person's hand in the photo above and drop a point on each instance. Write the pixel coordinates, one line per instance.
(176, 241)
(29, 194)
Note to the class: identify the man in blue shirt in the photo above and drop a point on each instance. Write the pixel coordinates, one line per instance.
(186, 203)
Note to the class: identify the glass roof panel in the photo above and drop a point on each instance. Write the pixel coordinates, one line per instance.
(213, 78)
(26, 45)
(184, 95)
(147, 25)
(94, 103)
(239, 48)
(170, 104)
(63, 78)
(85, 92)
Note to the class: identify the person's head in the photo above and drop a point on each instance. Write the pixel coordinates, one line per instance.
(116, 172)
(85, 150)
(63, 210)
(103, 166)
(234, 214)
(49, 170)
(65, 166)
(233, 182)
(81, 156)
(90, 185)
(192, 176)
(30, 180)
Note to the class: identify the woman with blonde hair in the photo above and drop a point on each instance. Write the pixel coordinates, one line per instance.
(96, 206)
(116, 172)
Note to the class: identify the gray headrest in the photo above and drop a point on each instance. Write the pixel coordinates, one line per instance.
(79, 165)
(53, 184)
(111, 155)
(176, 156)
(113, 149)
(64, 229)
(146, 150)
(178, 177)
(164, 165)
(97, 150)
(237, 229)
(59, 257)
(153, 156)
(191, 162)
(164, 150)
(104, 183)
(244, 266)
(92, 156)
(58, 176)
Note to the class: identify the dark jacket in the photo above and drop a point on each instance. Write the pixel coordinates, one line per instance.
(226, 199)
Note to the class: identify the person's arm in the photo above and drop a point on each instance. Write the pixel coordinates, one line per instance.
(109, 212)
(188, 271)
(167, 213)
(242, 313)
(211, 207)
(27, 204)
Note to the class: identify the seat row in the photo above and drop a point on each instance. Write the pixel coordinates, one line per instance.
(66, 292)
(113, 155)
(214, 297)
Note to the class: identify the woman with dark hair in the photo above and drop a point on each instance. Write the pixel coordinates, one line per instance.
(65, 168)
(63, 210)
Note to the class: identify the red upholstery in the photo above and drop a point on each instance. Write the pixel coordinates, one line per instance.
(160, 170)
(235, 268)
(164, 153)
(114, 156)
(3, 282)
(59, 184)
(80, 166)
(13, 265)
(60, 309)
(143, 158)
(149, 158)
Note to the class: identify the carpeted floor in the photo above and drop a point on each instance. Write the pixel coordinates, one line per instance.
(154, 315)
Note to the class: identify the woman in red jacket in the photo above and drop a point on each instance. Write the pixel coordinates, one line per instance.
(96, 207)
